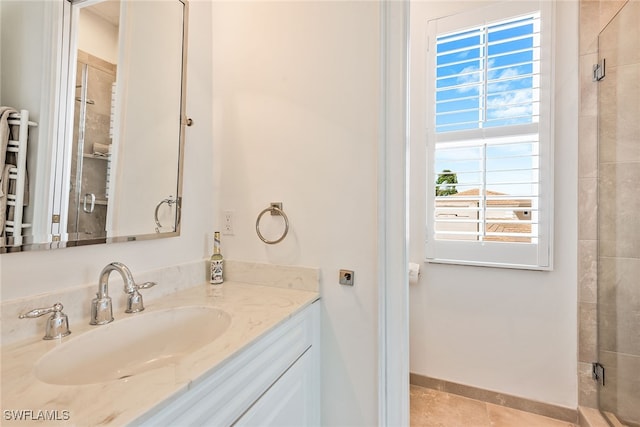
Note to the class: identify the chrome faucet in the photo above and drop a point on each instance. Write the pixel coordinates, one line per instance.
(101, 310)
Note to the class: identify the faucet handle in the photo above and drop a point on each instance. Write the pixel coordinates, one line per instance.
(57, 324)
(37, 312)
(134, 301)
(146, 285)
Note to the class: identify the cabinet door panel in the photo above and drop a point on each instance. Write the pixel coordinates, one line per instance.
(288, 402)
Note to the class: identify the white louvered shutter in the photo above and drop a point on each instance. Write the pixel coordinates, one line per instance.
(489, 139)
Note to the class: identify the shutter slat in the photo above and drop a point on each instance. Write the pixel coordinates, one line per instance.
(487, 221)
(486, 209)
(511, 39)
(459, 50)
(516, 65)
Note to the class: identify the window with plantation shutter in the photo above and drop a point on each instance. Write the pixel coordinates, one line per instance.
(489, 137)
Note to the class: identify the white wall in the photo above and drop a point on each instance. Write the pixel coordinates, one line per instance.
(296, 109)
(97, 36)
(30, 273)
(511, 331)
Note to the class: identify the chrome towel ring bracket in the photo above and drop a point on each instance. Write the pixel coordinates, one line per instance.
(169, 201)
(276, 209)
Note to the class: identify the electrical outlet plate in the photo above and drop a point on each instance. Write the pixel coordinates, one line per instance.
(227, 223)
(346, 277)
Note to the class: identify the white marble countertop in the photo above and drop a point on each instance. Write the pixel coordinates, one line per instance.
(254, 311)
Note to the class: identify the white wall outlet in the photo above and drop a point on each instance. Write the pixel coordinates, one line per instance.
(227, 223)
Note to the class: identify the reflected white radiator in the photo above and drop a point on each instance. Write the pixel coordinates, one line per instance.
(14, 225)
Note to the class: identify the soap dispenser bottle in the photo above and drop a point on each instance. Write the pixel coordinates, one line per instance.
(216, 267)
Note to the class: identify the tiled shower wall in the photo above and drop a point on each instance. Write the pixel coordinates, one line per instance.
(594, 15)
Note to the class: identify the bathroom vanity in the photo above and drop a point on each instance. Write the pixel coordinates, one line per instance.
(273, 382)
(260, 368)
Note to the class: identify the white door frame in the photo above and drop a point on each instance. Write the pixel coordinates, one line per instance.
(393, 316)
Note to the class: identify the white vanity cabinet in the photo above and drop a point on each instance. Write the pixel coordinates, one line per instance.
(275, 381)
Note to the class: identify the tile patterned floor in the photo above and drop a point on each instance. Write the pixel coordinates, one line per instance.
(432, 408)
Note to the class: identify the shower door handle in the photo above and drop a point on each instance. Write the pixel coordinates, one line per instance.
(92, 205)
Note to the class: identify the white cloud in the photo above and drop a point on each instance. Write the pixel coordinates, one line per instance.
(513, 102)
(467, 76)
(510, 104)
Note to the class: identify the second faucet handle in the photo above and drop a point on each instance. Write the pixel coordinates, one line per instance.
(57, 323)
(134, 301)
(146, 285)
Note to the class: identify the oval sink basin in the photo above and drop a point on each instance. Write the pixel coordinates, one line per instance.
(131, 346)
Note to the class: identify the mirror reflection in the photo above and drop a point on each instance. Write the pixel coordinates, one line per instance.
(114, 153)
(95, 88)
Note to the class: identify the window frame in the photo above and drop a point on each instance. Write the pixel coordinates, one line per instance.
(534, 256)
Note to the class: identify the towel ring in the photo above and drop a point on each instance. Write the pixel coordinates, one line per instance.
(275, 209)
(169, 202)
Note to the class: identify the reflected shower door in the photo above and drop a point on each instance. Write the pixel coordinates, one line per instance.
(619, 216)
(90, 167)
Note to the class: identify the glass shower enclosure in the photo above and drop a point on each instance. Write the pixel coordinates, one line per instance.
(619, 217)
(91, 159)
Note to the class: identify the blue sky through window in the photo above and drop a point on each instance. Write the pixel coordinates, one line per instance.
(487, 77)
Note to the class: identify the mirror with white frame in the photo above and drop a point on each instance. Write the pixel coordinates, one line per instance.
(103, 83)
